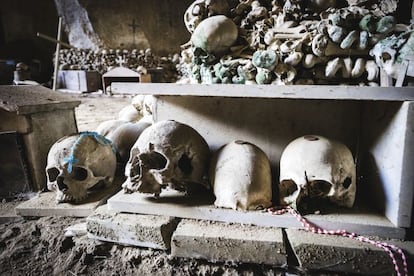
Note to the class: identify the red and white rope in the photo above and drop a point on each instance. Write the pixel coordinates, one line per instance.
(390, 249)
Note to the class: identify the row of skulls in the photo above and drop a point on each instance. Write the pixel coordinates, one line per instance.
(104, 60)
(293, 41)
(174, 155)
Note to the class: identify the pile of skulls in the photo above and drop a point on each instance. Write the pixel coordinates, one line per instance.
(291, 41)
(106, 59)
(173, 155)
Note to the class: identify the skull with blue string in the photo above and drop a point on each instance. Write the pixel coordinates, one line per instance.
(78, 164)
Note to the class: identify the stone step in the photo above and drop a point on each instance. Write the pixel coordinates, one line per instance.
(151, 231)
(228, 242)
(317, 252)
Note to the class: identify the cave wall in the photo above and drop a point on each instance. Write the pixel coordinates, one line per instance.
(20, 20)
(159, 23)
(94, 24)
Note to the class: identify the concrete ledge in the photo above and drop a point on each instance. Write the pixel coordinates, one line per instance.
(132, 229)
(44, 204)
(220, 242)
(174, 203)
(7, 212)
(317, 252)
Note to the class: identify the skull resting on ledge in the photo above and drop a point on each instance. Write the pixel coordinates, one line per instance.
(167, 154)
(78, 163)
(314, 167)
(241, 177)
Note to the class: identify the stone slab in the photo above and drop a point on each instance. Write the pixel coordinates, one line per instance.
(333, 92)
(76, 230)
(27, 99)
(224, 242)
(172, 203)
(44, 204)
(390, 175)
(7, 212)
(320, 253)
(131, 229)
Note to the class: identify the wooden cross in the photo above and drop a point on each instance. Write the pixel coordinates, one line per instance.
(134, 28)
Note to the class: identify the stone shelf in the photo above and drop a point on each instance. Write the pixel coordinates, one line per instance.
(28, 99)
(360, 220)
(268, 91)
(374, 122)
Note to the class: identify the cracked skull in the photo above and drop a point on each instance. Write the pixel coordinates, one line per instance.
(167, 154)
(241, 177)
(315, 167)
(78, 163)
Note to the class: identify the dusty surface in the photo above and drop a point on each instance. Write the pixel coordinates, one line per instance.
(229, 242)
(39, 247)
(97, 108)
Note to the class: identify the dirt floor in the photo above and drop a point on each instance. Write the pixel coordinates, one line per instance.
(38, 246)
(97, 108)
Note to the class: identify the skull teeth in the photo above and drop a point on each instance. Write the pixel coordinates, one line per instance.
(62, 198)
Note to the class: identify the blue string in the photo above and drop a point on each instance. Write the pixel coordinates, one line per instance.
(71, 159)
(98, 138)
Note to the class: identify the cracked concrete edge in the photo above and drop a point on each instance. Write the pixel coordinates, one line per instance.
(131, 229)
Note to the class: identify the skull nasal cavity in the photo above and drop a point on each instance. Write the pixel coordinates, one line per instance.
(62, 186)
(185, 164)
(52, 174)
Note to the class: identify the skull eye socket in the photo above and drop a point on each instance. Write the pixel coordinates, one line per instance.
(153, 160)
(184, 163)
(347, 182)
(319, 188)
(79, 174)
(287, 188)
(52, 174)
(386, 57)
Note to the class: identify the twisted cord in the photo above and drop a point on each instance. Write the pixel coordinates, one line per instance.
(71, 159)
(390, 249)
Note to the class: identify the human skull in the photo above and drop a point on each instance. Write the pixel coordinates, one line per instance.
(201, 9)
(129, 113)
(144, 104)
(390, 51)
(124, 137)
(167, 153)
(241, 177)
(109, 126)
(315, 167)
(79, 162)
(215, 35)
